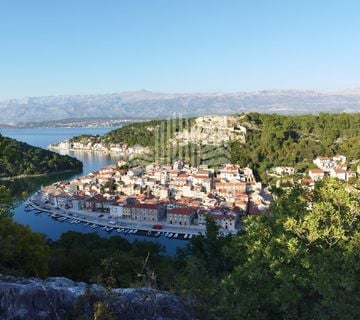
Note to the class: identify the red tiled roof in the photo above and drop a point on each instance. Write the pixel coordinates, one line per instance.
(306, 181)
(183, 211)
(317, 171)
(339, 171)
(144, 205)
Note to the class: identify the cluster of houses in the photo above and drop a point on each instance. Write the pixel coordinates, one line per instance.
(90, 144)
(335, 167)
(175, 194)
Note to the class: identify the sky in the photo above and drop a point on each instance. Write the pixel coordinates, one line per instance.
(55, 47)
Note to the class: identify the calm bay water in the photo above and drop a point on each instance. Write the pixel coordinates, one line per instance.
(42, 137)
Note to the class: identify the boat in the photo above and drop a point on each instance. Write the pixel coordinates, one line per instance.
(135, 231)
(190, 236)
(149, 233)
(170, 235)
(176, 235)
(185, 236)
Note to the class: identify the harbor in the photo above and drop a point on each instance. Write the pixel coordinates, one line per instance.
(96, 220)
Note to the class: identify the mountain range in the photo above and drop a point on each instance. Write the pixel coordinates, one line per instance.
(145, 104)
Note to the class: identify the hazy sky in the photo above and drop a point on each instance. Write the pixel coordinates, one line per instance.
(50, 47)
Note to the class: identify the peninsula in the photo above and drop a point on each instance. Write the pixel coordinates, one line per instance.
(19, 159)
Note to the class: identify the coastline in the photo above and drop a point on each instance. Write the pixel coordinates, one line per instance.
(127, 154)
(92, 218)
(25, 176)
(87, 150)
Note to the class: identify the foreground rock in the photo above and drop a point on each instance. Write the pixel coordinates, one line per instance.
(61, 298)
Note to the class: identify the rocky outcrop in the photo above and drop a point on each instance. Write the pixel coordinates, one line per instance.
(212, 130)
(61, 298)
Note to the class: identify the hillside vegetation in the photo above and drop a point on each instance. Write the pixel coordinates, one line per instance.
(140, 133)
(18, 158)
(273, 140)
(269, 140)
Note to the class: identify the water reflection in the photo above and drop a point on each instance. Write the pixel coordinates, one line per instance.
(92, 161)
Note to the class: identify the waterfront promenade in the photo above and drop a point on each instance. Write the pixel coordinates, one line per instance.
(104, 220)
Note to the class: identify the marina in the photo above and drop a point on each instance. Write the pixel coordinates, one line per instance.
(123, 227)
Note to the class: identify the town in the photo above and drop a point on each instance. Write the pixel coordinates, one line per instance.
(176, 197)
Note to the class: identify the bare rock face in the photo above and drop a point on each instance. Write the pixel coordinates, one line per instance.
(212, 130)
(61, 298)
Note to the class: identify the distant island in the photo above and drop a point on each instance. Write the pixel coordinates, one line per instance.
(18, 159)
(72, 123)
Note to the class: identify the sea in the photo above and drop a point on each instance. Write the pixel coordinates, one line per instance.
(92, 161)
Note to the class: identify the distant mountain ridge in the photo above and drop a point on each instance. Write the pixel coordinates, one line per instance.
(145, 104)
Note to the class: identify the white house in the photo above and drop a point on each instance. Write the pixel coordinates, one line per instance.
(316, 174)
(338, 173)
(116, 210)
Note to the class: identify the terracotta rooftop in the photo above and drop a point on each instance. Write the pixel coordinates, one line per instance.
(183, 211)
(316, 171)
(144, 206)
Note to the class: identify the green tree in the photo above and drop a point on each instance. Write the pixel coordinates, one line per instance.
(299, 262)
(202, 265)
(22, 251)
(6, 202)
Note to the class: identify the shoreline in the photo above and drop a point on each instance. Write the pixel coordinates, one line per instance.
(25, 176)
(115, 224)
(87, 150)
(105, 152)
